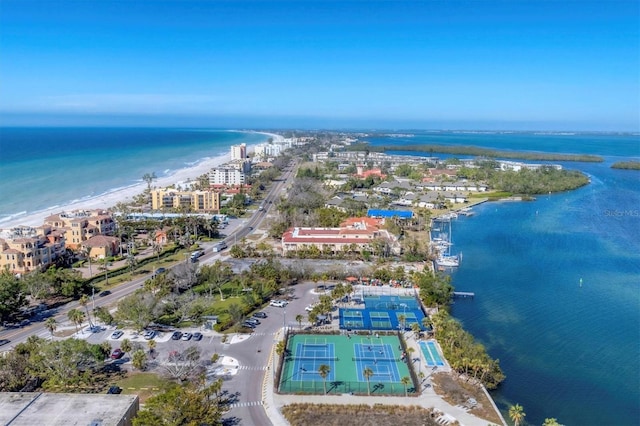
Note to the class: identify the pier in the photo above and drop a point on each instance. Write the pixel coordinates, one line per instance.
(464, 294)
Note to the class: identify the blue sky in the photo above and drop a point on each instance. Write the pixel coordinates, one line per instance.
(482, 64)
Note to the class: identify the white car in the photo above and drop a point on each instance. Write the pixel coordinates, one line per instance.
(278, 303)
(309, 308)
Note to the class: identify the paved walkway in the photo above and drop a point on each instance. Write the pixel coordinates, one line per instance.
(273, 402)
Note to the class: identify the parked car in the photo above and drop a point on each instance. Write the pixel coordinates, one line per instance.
(187, 336)
(197, 336)
(114, 390)
(252, 321)
(117, 334)
(117, 354)
(309, 308)
(248, 325)
(177, 335)
(149, 334)
(278, 303)
(259, 315)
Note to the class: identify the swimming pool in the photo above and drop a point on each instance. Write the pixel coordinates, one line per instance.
(431, 354)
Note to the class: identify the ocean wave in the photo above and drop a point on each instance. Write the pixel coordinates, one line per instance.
(8, 217)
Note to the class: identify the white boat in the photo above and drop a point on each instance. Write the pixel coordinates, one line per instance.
(443, 245)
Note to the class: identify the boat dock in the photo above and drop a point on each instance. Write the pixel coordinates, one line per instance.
(464, 294)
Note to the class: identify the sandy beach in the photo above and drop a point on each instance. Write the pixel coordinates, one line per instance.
(110, 199)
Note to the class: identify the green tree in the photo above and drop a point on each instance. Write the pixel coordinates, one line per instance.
(516, 414)
(137, 310)
(126, 345)
(12, 298)
(51, 325)
(68, 362)
(368, 373)
(551, 422)
(139, 359)
(152, 345)
(299, 319)
(215, 276)
(76, 316)
(406, 381)
(102, 314)
(149, 178)
(84, 302)
(323, 371)
(191, 404)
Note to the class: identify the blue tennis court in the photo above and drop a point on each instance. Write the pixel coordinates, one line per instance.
(379, 358)
(310, 355)
(431, 354)
(391, 303)
(367, 319)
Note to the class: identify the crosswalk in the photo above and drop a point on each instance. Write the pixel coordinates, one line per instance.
(251, 367)
(245, 404)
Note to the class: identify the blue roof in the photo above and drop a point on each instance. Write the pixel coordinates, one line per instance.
(402, 214)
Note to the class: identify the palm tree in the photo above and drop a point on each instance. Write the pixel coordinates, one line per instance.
(86, 251)
(299, 318)
(516, 414)
(401, 319)
(551, 422)
(76, 316)
(416, 329)
(84, 301)
(368, 373)
(149, 178)
(51, 325)
(126, 345)
(406, 381)
(152, 345)
(324, 370)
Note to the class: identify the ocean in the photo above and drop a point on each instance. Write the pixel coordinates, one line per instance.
(42, 168)
(556, 283)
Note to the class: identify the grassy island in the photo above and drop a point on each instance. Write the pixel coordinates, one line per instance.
(626, 165)
(482, 152)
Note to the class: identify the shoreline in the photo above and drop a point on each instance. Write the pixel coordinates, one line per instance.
(110, 198)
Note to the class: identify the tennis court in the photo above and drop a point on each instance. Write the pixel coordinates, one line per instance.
(347, 358)
(366, 319)
(431, 354)
(391, 302)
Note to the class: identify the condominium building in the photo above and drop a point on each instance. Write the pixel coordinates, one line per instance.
(80, 225)
(24, 249)
(238, 152)
(196, 201)
(226, 176)
(357, 236)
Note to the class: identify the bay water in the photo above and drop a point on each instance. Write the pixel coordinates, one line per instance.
(557, 283)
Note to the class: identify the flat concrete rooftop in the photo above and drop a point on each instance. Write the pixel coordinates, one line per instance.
(52, 409)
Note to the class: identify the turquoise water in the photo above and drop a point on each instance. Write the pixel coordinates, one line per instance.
(569, 350)
(46, 167)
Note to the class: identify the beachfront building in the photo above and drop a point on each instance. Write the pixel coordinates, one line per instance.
(238, 152)
(101, 246)
(195, 201)
(355, 236)
(80, 225)
(24, 249)
(226, 176)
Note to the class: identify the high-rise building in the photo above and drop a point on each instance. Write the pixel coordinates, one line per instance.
(238, 152)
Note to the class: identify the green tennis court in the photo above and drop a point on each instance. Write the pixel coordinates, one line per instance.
(347, 357)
